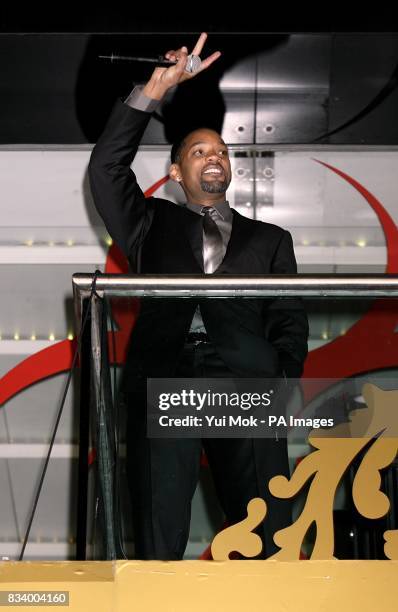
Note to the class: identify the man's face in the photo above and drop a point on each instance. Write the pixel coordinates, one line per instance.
(204, 169)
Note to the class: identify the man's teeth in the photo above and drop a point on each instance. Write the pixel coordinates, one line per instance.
(212, 171)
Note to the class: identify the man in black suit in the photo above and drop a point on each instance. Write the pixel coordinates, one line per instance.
(194, 337)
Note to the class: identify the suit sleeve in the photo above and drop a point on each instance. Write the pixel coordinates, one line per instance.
(126, 212)
(286, 323)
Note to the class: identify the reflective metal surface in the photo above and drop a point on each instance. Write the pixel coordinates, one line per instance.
(308, 285)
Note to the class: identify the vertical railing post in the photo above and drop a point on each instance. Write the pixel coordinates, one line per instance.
(84, 428)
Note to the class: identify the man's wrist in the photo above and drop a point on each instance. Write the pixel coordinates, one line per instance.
(154, 90)
(140, 101)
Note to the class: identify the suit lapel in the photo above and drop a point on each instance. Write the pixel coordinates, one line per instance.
(242, 231)
(193, 228)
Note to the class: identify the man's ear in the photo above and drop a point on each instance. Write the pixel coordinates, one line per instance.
(174, 173)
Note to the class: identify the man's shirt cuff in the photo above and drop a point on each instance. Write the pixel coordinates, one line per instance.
(138, 100)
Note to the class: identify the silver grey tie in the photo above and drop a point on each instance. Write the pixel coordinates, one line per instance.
(213, 250)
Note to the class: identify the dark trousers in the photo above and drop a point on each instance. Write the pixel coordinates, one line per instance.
(163, 473)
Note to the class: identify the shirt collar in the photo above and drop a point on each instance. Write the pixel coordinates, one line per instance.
(222, 208)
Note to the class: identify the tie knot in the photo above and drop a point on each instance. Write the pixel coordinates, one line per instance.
(209, 210)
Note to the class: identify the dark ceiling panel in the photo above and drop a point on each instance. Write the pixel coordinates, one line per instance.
(364, 89)
(293, 90)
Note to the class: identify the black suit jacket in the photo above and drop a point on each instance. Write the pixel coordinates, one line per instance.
(254, 337)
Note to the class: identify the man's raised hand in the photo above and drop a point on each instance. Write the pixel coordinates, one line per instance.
(163, 79)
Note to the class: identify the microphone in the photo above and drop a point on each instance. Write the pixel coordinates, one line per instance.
(193, 64)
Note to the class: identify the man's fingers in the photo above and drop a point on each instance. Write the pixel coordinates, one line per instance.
(172, 55)
(209, 60)
(182, 58)
(197, 50)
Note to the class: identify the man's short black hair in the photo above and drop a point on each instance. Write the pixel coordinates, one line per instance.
(179, 143)
(176, 149)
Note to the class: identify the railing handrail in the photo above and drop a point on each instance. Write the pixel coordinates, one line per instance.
(304, 285)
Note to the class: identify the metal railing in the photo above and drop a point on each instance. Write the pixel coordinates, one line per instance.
(305, 285)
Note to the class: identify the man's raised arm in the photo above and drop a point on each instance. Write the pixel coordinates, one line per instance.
(117, 195)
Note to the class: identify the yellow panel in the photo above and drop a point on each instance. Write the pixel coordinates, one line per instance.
(209, 586)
